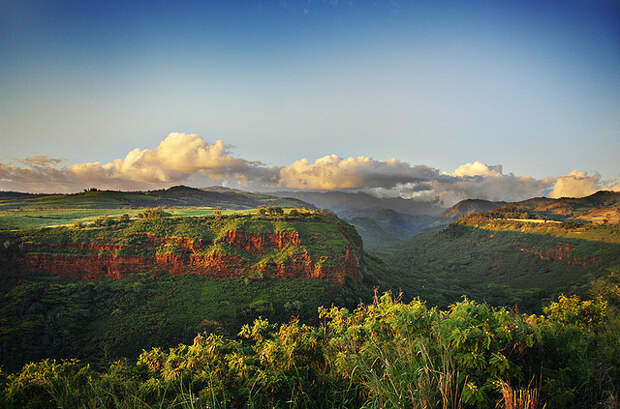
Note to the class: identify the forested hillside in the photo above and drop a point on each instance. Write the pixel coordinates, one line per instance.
(514, 255)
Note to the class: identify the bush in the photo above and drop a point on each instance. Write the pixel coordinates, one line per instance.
(155, 213)
(47, 383)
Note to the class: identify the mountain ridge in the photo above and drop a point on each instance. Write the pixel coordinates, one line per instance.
(174, 196)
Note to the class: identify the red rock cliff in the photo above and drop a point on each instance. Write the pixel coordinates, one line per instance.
(101, 261)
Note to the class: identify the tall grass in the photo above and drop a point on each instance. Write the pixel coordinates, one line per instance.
(527, 398)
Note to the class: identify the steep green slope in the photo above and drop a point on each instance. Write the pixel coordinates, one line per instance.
(47, 316)
(505, 262)
(382, 228)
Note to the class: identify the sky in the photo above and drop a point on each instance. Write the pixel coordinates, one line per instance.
(522, 90)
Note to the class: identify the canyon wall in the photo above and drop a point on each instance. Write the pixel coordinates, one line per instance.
(235, 254)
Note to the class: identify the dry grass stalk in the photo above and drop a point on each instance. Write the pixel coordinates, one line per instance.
(527, 398)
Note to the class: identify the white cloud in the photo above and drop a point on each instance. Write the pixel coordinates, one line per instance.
(477, 168)
(335, 173)
(40, 160)
(580, 184)
(188, 158)
(477, 180)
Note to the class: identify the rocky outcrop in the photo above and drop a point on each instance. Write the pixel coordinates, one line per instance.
(231, 255)
(561, 253)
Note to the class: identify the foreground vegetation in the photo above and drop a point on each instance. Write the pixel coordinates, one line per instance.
(131, 343)
(387, 354)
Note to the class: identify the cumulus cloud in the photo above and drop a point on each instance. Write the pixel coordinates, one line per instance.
(335, 173)
(477, 168)
(580, 184)
(176, 158)
(189, 158)
(477, 180)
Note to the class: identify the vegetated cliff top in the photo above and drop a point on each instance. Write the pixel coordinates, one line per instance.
(174, 196)
(308, 244)
(602, 207)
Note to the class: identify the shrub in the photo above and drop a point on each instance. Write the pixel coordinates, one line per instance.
(589, 314)
(47, 383)
(155, 213)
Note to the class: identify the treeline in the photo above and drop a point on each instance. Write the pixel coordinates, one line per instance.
(384, 355)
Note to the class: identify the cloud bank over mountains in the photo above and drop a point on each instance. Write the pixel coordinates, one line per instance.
(188, 158)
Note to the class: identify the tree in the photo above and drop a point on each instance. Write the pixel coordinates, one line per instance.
(275, 211)
(153, 213)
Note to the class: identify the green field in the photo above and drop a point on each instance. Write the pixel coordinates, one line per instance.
(30, 218)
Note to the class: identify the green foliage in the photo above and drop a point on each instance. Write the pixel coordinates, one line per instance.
(154, 213)
(386, 354)
(573, 311)
(46, 316)
(47, 384)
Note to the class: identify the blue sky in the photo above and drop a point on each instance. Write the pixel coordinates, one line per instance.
(533, 86)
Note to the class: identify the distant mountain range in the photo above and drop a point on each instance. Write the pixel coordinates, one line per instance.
(381, 221)
(174, 196)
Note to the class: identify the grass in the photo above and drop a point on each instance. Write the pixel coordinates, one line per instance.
(27, 218)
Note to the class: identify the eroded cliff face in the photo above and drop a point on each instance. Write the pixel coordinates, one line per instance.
(234, 254)
(561, 253)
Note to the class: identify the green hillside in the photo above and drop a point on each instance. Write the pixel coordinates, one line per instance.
(600, 207)
(22, 210)
(139, 285)
(381, 228)
(48, 315)
(506, 262)
(467, 207)
(174, 196)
